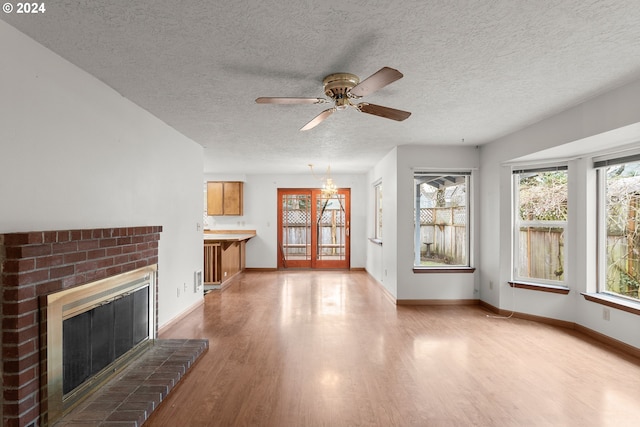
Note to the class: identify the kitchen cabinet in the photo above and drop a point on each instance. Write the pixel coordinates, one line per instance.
(224, 198)
(224, 256)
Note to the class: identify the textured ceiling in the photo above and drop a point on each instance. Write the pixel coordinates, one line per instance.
(473, 70)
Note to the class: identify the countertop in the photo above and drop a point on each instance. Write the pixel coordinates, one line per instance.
(228, 235)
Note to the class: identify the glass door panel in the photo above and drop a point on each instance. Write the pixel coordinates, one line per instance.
(294, 233)
(331, 230)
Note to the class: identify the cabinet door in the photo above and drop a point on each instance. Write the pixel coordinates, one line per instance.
(232, 198)
(214, 198)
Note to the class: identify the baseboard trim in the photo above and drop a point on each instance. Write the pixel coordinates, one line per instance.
(381, 287)
(491, 308)
(260, 269)
(437, 302)
(597, 336)
(607, 340)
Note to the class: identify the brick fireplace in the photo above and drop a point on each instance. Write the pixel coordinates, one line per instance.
(36, 264)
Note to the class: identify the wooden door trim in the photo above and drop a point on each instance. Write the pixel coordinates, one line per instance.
(313, 263)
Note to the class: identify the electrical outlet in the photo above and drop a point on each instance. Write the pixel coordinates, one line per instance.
(606, 314)
(490, 285)
(178, 292)
(185, 286)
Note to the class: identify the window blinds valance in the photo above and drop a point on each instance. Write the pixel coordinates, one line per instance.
(616, 161)
(436, 173)
(544, 169)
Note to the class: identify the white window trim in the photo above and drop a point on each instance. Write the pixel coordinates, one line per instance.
(470, 205)
(519, 223)
(377, 228)
(600, 164)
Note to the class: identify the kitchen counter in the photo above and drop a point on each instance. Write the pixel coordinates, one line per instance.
(224, 256)
(228, 237)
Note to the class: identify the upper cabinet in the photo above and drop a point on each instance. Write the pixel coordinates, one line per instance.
(224, 198)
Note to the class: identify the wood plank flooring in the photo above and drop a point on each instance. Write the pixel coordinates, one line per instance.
(327, 348)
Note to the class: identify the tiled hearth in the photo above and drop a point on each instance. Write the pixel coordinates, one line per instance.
(129, 398)
(34, 264)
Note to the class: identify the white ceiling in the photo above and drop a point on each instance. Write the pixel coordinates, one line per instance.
(473, 70)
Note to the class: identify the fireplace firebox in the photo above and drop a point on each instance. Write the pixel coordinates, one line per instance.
(93, 331)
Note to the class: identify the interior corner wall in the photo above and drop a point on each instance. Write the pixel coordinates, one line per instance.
(75, 154)
(381, 262)
(260, 208)
(595, 120)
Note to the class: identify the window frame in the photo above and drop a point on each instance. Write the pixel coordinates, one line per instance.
(518, 223)
(377, 216)
(601, 167)
(417, 244)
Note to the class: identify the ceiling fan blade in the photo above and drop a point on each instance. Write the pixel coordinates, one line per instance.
(276, 100)
(386, 112)
(376, 81)
(318, 119)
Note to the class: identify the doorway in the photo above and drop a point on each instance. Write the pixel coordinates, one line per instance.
(313, 228)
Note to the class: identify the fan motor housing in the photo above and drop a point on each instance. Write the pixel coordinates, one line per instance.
(339, 84)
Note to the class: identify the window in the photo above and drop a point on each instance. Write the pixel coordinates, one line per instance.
(378, 213)
(441, 219)
(619, 226)
(540, 225)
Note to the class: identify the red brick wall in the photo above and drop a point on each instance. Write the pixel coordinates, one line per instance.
(34, 264)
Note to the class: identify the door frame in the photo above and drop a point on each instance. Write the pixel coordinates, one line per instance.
(314, 263)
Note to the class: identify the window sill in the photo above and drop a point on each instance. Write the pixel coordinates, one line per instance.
(613, 301)
(555, 289)
(376, 241)
(444, 269)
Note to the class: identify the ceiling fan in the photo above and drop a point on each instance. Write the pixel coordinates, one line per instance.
(342, 88)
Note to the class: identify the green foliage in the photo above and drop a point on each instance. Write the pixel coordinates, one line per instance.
(625, 285)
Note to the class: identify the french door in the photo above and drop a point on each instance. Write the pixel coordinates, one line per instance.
(313, 228)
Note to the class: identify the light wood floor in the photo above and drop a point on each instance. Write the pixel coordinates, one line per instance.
(325, 348)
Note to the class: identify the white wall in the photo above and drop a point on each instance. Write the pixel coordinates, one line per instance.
(392, 263)
(432, 285)
(600, 124)
(261, 213)
(75, 154)
(382, 260)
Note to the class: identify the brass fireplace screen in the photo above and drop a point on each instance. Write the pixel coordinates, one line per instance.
(93, 331)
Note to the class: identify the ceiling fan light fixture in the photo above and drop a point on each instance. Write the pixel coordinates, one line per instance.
(342, 103)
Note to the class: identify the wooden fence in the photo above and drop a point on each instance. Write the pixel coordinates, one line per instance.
(443, 235)
(623, 266)
(541, 253)
(296, 239)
